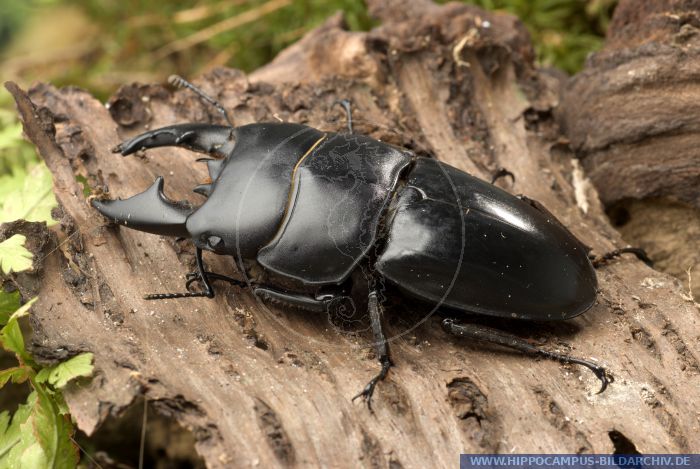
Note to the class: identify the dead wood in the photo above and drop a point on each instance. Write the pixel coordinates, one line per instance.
(272, 387)
(633, 117)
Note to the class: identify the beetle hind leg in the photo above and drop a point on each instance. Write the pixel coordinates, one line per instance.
(494, 336)
(608, 256)
(382, 348)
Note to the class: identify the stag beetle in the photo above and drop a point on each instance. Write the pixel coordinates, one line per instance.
(308, 209)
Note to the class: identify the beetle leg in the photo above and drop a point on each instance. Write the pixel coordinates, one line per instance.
(501, 173)
(382, 348)
(487, 334)
(195, 277)
(203, 276)
(347, 105)
(295, 300)
(202, 189)
(639, 252)
(213, 166)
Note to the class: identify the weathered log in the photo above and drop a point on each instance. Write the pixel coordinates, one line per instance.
(272, 387)
(633, 117)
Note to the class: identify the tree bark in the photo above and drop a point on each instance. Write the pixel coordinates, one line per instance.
(273, 387)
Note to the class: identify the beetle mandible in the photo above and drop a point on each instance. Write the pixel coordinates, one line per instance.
(309, 208)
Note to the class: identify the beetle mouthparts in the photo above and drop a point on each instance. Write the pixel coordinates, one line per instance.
(203, 189)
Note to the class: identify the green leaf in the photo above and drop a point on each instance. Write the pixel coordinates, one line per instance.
(14, 257)
(53, 432)
(34, 201)
(24, 310)
(12, 339)
(12, 435)
(60, 401)
(25, 439)
(59, 375)
(34, 456)
(10, 136)
(4, 422)
(43, 375)
(38, 435)
(11, 182)
(18, 374)
(9, 302)
(82, 180)
(11, 336)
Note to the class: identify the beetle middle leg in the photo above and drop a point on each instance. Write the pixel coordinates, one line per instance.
(502, 173)
(295, 300)
(381, 346)
(487, 334)
(322, 304)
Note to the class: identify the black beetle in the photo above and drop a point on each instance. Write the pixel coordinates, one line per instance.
(307, 209)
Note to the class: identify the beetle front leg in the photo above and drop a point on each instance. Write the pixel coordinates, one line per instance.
(197, 277)
(381, 346)
(203, 276)
(494, 336)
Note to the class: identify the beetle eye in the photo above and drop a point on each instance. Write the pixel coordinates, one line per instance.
(215, 242)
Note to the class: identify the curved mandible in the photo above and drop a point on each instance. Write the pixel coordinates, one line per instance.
(150, 211)
(211, 139)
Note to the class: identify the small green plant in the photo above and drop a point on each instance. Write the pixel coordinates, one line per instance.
(40, 433)
(25, 183)
(14, 257)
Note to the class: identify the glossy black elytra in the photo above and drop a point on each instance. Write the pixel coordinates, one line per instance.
(307, 210)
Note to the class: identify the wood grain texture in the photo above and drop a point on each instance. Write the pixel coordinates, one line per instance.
(633, 119)
(271, 387)
(633, 113)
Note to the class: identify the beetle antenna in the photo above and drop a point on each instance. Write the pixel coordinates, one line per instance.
(171, 296)
(179, 82)
(347, 106)
(208, 291)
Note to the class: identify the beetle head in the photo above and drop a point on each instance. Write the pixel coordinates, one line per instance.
(151, 211)
(212, 225)
(210, 239)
